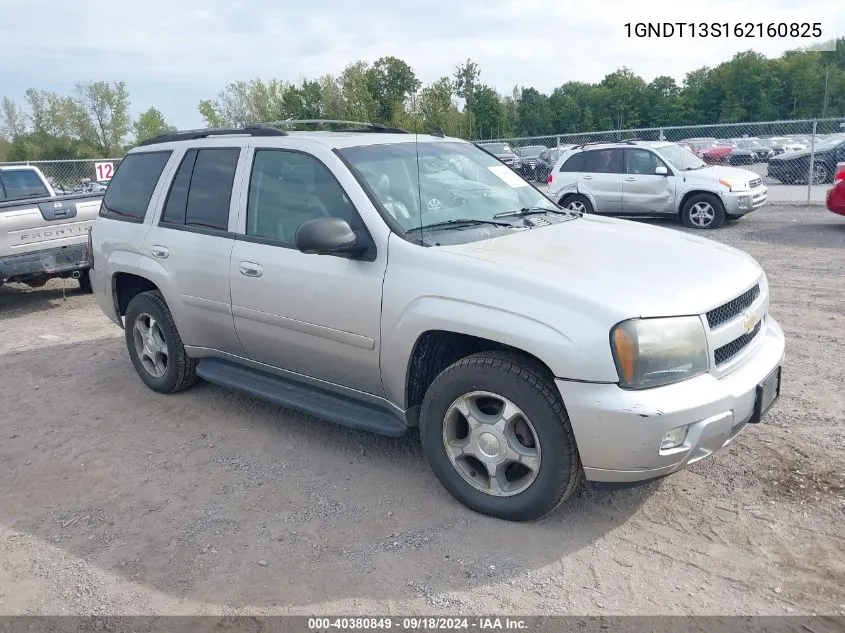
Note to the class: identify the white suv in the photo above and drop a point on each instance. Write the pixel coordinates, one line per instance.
(641, 178)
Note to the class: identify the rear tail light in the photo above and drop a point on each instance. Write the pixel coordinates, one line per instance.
(549, 179)
(840, 174)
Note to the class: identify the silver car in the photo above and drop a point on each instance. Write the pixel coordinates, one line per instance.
(392, 282)
(653, 178)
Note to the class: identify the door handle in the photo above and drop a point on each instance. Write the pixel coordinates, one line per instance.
(586, 177)
(630, 179)
(250, 269)
(162, 252)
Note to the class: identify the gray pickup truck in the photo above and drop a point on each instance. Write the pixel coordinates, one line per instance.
(42, 235)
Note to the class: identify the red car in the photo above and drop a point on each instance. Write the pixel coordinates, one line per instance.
(836, 196)
(709, 150)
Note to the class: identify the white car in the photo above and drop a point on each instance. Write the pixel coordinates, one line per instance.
(642, 178)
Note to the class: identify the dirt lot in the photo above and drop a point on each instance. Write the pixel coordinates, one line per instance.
(117, 500)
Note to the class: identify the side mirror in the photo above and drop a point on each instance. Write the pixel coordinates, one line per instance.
(327, 236)
(661, 171)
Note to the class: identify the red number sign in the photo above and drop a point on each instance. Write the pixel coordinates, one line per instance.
(104, 171)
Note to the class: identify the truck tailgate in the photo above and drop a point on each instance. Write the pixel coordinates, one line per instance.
(45, 223)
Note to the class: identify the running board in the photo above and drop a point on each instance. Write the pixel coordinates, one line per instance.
(294, 395)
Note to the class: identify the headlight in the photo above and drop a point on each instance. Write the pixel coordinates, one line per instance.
(734, 184)
(654, 352)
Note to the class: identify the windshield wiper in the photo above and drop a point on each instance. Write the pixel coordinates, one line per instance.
(456, 222)
(531, 211)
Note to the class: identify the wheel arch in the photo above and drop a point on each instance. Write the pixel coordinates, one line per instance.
(435, 350)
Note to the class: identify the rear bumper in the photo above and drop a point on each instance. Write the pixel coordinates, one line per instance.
(50, 262)
(619, 432)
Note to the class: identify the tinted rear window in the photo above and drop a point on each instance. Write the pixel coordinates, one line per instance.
(22, 184)
(574, 163)
(177, 199)
(211, 188)
(132, 186)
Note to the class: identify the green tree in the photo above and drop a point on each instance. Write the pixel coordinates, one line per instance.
(101, 116)
(245, 102)
(534, 114)
(303, 101)
(150, 124)
(390, 81)
(487, 111)
(355, 87)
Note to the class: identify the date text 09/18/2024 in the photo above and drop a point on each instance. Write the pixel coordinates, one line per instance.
(416, 623)
(724, 29)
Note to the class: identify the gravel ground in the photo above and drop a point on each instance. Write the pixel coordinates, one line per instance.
(117, 500)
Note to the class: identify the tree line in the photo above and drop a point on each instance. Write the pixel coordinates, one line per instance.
(94, 120)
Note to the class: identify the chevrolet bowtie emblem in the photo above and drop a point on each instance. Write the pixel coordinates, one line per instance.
(750, 322)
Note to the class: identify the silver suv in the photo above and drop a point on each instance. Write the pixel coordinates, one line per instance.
(388, 281)
(653, 178)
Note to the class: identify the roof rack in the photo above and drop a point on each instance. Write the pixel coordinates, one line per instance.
(190, 135)
(363, 126)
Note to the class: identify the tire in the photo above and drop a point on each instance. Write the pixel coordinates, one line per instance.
(541, 419)
(821, 174)
(85, 282)
(577, 202)
(171, 371)
(703, 211)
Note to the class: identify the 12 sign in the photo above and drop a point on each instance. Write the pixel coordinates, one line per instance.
(104, 171)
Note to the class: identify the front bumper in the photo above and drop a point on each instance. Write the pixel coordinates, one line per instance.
(50, 262)
(619, 432)
(742, 202)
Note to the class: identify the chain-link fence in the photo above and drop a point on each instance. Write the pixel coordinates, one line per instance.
(75, 176)
(795, 159)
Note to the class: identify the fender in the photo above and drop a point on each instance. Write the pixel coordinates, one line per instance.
(552, 346)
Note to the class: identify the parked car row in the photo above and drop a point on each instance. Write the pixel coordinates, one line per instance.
(653, 178)
(794, 166)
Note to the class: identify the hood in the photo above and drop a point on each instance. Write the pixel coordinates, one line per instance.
(714, 172)
(630, 268)
(798, 153)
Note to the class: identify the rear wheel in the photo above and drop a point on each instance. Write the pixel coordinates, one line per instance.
(85, 282)
(577, 203)
(155, 346)
(495, 432)
(703, 211)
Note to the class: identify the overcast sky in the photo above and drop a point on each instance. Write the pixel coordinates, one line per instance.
(172, 53)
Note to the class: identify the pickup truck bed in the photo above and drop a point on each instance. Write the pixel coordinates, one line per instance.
(46, 237)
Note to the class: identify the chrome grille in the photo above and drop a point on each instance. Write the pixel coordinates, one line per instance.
(755, 183)
(733, 308)
(727, 352)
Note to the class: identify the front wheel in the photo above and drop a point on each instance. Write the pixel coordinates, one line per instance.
(703, 211)
(496, 434)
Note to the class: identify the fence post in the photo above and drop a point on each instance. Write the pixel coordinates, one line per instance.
(558, 141)
(812, 156)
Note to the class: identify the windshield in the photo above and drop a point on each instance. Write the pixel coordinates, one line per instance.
(746, 143)
(497, 148)
(451, 181)
(681, 158)
(829, 143)
(532, 150)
